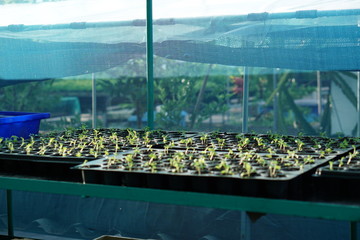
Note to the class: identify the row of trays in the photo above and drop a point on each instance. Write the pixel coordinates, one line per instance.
(269, 166)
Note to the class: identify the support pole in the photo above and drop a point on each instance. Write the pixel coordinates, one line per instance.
(245, 100)
(93, 100)
(200, 97)
(275, 102)
(353, 231)
(150, 64)
(9, 213)
(358, 103)
(318, 90)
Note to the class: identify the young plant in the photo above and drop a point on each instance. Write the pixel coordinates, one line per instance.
(28, 148)
(292, 154)
(271, 152)
(147, 138)
(136, 151)
(149, 147)
(274, 169)
(78, 154)
(117, 148)
(243, 142)
(322, 154)
(309, 160)
(22, 142)
(249, 170)
(352, 155)
(341, 161)
(344, 144)
(259, 141)
(152, 157)
(177, 162)
(300, 144)
(94, 152)
(221, 142)
(224, 168)
(328, 150)
(211, 153)
(129, 160)
(261, 161)
(10, 146)
(165, 139)
(42, 150)
(282, 144)
(169, 145)
(204, 138)
(199, 164)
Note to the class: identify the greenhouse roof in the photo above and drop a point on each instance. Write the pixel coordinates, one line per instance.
(72, 37)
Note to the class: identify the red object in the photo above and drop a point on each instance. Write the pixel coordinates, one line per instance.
(239, 85)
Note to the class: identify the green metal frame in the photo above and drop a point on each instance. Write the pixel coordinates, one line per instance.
(150, 64)
(251, 204)
(321, 210)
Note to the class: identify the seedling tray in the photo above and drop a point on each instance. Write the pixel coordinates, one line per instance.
(339, 181)
(259, 182)
(52, 155)
(57, 152)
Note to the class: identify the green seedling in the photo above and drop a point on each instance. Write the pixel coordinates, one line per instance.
(352, 155)
(221, 142)
(152, 157)
(243, 142)
(199, 164)
(42, 150)
(78, 154)
(292, 154)
(129, 159)
(322, 154)
(309, 160)
(204, 138)
(177, 162)
(224, 168)
(271, 152)
(273, 169)
(249, 170)
(22, 142)
(344, 144)
(10, 146)
(136, 151)
(259, 141)
(300, 144)
(211, 153)
(28, 148)
(341, 161)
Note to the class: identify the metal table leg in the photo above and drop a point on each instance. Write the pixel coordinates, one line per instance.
(353, 230)
(9, 213)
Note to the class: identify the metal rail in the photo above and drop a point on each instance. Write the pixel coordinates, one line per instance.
(321, 210)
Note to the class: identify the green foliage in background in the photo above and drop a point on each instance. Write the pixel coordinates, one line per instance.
(28, 97)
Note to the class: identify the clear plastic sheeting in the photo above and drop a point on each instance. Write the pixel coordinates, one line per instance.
(72, 217)
(89, 36)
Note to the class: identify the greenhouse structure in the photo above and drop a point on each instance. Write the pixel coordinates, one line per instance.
(179, 120)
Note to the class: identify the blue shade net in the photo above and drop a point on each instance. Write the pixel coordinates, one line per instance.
(300, 39)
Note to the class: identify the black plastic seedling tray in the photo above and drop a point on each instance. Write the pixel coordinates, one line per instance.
(340, 181)
(16, 159)
(287, 183)
(56, 168)
(54, 155)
